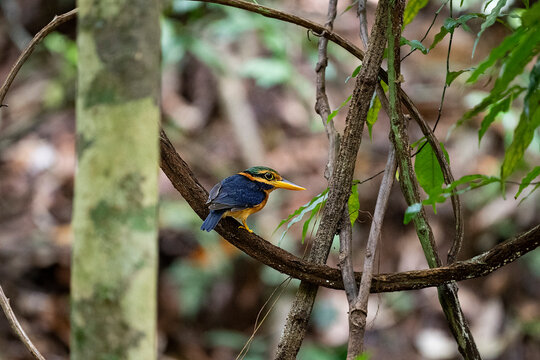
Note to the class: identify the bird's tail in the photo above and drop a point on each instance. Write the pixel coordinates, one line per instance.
(212, 219)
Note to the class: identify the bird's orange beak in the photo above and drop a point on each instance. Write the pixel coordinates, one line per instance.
(285, 184)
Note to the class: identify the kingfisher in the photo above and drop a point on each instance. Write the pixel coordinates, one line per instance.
(243, 194)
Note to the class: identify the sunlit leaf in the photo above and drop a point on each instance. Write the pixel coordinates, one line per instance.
(353, 204)
(523, 135)
(489, 101)
(452, 75)
(523, 53)
(414, 44)
(313, 205)
(373, 113)
(428, 170)
(411, 212)
(490, 20)
(499, 52)
(411, 9)
(354, 74)
(526, 181)
(314, 213)
(460, 186)
(450, 25)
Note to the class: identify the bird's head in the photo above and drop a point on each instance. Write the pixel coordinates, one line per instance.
(269, 176)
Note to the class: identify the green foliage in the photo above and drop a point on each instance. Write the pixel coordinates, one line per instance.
(354, 204)
(451, 24)
(452, 75)
(460, 186)
(313, 206)
(414, 44)
(354, 73)
(490, 20)
(512, 56)
(411, 10)
(534, 173)
(373, 113)
(494, 110)
(335, 112)
(428, 170)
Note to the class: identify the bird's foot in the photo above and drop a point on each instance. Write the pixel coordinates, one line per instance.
(245, 227)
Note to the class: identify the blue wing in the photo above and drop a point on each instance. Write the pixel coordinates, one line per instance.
(235, 193)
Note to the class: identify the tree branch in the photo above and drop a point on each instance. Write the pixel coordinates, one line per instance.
(261, 250)
(322, 107)
(16, 326)
(405, 99)
(410, 189)
(50, 27)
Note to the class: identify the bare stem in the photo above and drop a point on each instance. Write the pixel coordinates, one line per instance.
(16, 326)
(57, 21)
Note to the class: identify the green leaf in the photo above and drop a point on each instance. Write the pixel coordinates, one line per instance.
(490, 20)
(500, 107)
(411, 212)
(412, 8)
(451, 24)
(428, 171)
(305, 227)
(499, 52)
(349, 7)
(514, 64)
(363, 356)
(526, 181)
(523, 135)
(452, 75)
(488, 101)
(354, 74)
(532, 97)
(353, 204)
(414, 44)
(313, 205)
(335, 112)
(471, 181)
(373, 113)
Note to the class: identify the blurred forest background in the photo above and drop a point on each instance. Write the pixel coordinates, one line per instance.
(238, 90)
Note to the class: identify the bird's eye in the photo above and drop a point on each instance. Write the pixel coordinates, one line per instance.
(268, 176)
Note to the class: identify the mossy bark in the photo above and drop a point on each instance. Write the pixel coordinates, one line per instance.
(114, 272)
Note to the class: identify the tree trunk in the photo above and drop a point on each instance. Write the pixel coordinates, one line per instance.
(114, 272)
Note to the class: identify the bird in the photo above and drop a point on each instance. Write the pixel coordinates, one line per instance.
(243, 194)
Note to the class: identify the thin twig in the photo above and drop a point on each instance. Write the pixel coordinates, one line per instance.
(345, 257)
(362, 19)
(58, 20)
(16, 326)
(260, 249)
(427, 31)
(358, 308)
(340, 185)
(439, 113)
(322, 107)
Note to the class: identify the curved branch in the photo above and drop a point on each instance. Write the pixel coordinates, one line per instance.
(57, 21)
(17, 328)
(189, 187)
(261, 250)
(405, 99)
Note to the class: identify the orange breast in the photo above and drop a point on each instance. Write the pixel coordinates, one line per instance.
(243, 214)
